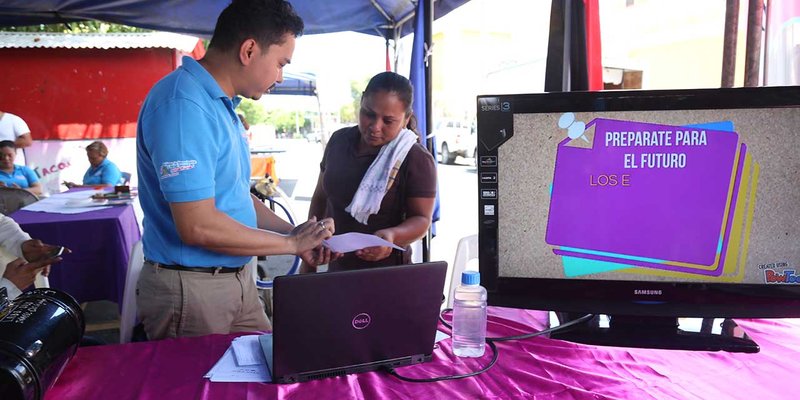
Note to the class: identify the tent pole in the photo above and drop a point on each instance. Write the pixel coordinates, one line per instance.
(426, 241)
(752, 61)
(729, 43)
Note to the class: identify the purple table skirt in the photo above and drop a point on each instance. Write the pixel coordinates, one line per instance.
(538, 368)
(100, 241)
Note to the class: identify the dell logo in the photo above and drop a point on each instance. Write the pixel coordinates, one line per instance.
(361, 321)
(648, 292)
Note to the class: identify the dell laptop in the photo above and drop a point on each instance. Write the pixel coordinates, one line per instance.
(339, 323)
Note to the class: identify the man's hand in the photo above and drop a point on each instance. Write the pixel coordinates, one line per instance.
(310, 234)
(22, 274)
(35, 250)
(377, 253)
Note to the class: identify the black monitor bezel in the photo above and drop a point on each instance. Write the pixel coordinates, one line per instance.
(618, 297)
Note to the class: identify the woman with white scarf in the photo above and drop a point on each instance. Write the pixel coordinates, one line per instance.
(376, 178)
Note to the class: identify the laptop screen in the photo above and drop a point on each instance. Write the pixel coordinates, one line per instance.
(351, 321)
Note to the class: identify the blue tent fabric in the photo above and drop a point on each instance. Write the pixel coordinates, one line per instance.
(417, 78)
(386, 18)
(298, 84)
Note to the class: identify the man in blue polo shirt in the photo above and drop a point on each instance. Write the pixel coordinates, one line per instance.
(201, 224)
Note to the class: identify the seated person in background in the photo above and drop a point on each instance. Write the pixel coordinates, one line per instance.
(382, 151)
(101, 172)
(16, 176)
(33, 257)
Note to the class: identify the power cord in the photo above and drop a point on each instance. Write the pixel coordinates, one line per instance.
(392, 371)
(491, 342)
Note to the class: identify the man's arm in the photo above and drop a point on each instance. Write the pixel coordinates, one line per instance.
(24, 140)
(200, 223)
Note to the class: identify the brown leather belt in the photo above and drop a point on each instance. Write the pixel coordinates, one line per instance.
(205, 270)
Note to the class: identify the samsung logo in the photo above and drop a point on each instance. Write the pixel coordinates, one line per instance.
(648, 292)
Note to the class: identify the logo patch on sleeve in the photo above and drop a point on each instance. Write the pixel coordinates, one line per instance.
(173, 168)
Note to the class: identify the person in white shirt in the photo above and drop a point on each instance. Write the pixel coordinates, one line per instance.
(33, 257)
(15, 129)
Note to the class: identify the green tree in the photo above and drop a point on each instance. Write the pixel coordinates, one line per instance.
(348, 113)
(253, 112)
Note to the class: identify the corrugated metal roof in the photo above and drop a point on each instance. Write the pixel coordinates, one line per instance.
(26, 40)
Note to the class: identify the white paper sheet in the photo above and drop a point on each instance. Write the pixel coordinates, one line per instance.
(67, 203)
(226, 370)
(353, 241)
(247, 350)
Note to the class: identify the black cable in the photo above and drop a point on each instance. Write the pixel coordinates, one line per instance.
(450, 377)
(491, 342)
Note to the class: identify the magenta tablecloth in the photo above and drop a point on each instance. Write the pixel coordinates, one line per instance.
(100, 241)
(537, 368)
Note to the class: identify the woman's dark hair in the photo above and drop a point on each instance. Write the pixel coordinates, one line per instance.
(398, 84)
(266, 21)
(8, 143)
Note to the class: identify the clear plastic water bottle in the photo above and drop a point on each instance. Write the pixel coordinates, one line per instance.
(469, 316)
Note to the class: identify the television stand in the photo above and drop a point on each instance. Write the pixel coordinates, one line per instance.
(703, 334)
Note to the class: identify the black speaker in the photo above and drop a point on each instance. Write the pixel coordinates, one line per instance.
(39, 333)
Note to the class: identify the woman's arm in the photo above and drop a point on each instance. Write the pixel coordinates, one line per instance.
(35, 188)
(319, 200)
(419, 211)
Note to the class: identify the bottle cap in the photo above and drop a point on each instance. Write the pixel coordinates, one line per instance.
(470, 278)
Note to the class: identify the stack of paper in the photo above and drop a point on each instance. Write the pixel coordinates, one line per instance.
(242, 362)
(74, 202)
(653, 199)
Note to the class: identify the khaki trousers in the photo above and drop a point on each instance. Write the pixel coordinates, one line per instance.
(181, 303)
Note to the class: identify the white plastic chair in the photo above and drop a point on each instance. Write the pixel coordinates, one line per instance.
(127, 318)
(466, 251)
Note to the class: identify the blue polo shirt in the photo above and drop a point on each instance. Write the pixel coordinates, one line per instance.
(190, 146)
(22, 176)
(106, 173)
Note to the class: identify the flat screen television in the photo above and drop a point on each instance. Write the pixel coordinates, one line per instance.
(645, 206)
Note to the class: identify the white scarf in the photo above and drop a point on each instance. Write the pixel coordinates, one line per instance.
(380, 176)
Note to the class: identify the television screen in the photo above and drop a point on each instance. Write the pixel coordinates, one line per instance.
(646, 203)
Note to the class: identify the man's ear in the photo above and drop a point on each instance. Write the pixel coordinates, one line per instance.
(246, 51)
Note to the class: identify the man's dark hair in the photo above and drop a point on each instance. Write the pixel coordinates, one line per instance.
(266, 21)
(7, 143)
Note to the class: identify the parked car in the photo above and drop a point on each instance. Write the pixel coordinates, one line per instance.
(455, 138)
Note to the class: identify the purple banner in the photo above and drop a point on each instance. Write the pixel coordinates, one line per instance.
(645, 190)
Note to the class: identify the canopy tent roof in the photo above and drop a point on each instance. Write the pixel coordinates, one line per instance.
(296, 83)
(137, 40)
(387, 18)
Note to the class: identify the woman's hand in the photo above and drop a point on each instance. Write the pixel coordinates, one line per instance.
(377, 253)
(316, 257)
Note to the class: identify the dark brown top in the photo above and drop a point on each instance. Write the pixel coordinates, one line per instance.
(343, 168)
